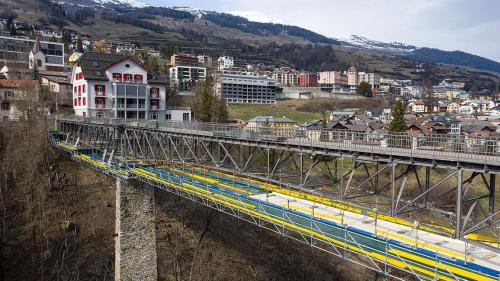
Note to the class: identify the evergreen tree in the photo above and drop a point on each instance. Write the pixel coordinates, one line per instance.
(34, 74)
(364, 89)
(79, 45)
(13, 31)
(208, 107)
(398, 123)
(204, 100)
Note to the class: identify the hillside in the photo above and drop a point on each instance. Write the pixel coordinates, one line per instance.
(428, 55)
(215, 34)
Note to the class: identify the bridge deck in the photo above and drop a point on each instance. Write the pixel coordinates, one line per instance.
(428, 155)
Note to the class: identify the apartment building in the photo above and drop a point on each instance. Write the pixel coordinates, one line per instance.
(352, 76)
(11, 91)
(205, 61)
(332, 78)
(245, 87)
(185, 77)
(286, 77)
(17, 50)
(182, 59)
(117, 86)
(308, 80)
(372, 78)
(225, 62)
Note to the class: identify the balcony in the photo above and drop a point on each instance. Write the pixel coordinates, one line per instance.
(123, 81)
(154, 107)
(99, 93)
(100, 106)
(155, 95)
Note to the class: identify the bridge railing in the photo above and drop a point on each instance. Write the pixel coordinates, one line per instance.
(444, 146)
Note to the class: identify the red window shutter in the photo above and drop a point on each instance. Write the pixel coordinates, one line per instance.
(84, 114)
(79, 101)
(120, 77)
(74, 102)
(104, 88)
(95, 88)
(83, 101)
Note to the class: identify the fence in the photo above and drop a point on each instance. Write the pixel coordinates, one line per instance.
(431, 146)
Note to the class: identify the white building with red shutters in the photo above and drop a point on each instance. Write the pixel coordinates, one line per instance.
(117, 86)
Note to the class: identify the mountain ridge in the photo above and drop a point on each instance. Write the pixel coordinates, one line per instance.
(424, 54)
(232, 21)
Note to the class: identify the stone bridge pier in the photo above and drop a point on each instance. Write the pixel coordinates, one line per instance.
(135, 243)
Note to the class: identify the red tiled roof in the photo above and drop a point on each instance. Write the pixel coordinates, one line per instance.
(7, 83)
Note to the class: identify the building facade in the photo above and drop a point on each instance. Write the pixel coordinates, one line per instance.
(17, 50)
(372, 78)
(205, 61)
(185, 77)
(116, 86)
(183, 60)
(308, 80)
(352, 76)
(332, 78)
(11, 91)
(245, 87)
(225, 62)
(286, 77)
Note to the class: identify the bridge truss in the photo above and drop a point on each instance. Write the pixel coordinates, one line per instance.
(445, 183)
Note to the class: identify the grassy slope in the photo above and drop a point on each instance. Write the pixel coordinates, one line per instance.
(282, 108)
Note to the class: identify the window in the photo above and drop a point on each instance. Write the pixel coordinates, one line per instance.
(128, 77)
(155, 92)
(83, 101)
(75, 102)
(83, 89)
(117, 76)
(5, 106)
(99, 114)
(39, 63)
(168, 116)
(138, 78)
(84, 114)
(9, 94)
(185, 116)
(100, 89)
(154, 116)
(154, 104)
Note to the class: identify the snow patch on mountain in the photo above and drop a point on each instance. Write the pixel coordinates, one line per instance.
(198, 13)
(363, 42)
(131, 3)
(255, 16)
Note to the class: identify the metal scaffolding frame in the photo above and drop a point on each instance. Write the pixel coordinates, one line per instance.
(321, 170)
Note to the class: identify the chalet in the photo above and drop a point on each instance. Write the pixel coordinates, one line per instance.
(117, 86)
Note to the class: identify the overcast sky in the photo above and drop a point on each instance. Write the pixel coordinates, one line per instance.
(468, 25)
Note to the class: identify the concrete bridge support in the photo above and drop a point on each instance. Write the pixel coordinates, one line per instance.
(135, 244)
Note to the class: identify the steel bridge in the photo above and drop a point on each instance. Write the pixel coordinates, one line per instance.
(423, 204)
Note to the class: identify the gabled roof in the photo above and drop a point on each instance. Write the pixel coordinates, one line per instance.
(94, 65)
(13, 84)
(271, 119)
(145, 68)
(37, 47)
